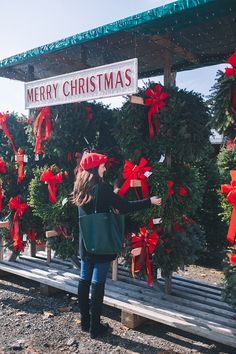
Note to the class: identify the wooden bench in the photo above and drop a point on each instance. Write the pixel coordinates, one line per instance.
(193, 306)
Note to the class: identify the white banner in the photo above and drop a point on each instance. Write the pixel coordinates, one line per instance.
(115, 79)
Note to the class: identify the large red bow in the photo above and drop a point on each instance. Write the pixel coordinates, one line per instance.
(43, 116)
(3, 122)
(147, 243)
(156, 101)
(232, 61)
(52, 180)
(20, 161)
(230, 190)
(132, 171)
(14, 203)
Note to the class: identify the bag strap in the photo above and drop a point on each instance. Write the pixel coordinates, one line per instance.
(96, 198)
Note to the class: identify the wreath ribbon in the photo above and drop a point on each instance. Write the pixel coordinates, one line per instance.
(156, 101)
(3, 123)
(147, 243)
(52, 181)
(42, 117)
(230, 190)
(20, 208)
(132, 171)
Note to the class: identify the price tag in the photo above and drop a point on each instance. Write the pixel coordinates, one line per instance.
(36, 157)
(147, 174)
(157, 221)
(25, 158)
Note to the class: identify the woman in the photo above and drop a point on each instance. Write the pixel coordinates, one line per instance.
(94, 268)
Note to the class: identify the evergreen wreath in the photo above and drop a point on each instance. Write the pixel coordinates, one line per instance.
(223, 105)
(61, 216)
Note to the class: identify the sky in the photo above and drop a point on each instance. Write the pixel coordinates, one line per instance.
(26, 24)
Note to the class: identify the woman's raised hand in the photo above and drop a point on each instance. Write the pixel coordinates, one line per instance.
(155, 200)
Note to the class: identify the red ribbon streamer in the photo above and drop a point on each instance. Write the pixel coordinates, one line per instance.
(89, 113)
(20, 162)
(132, 171)
(14, 203)
(230, 190)
(231, 71)
(148, 244)
(0, 197)
(32, 237)
(2, 166)
(42, 117)
(52, 180)
(3, 122)
(156, 101)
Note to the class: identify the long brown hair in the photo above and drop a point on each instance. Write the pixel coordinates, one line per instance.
(84, 186)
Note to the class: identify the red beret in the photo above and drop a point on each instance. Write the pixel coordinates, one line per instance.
(92, 160)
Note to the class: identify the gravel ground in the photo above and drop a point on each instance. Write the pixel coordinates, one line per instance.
(33, 323)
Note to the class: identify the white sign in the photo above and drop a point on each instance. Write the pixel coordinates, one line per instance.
(103, 81)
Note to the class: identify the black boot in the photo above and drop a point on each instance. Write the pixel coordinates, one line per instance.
(83, 296)
(96, 328)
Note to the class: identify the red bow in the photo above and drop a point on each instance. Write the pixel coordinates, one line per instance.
(32, 237)
(2, 166)
(230, 190)
(182, 191)
(148, 244)
(232, 61)
(3, 122)
(52, 180)
(14, 203)
(156, 101)
(89, 113)
(43, 116)
(20, 162)
(132, 171)
(232, 258)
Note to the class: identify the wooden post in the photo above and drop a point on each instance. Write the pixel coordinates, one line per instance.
(114, 271)
(1, 248)
(169, 81)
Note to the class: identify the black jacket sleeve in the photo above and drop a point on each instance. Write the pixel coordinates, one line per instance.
(111, 199)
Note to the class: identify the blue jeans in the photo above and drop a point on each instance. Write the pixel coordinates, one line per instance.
(94, 272)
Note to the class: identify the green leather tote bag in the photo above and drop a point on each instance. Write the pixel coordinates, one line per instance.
(102, 233)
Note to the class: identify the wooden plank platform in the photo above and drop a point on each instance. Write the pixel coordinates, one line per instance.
(193, 306)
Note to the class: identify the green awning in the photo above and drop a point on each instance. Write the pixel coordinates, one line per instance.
(196, 32)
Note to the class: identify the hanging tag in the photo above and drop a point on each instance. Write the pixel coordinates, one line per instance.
(135, 183)
(158, 273)
(25, 158)
(157, 221)
(65, 200)
(24, 237)
(147, 174)
(162, 158)
(36, 157)
(136, 251)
